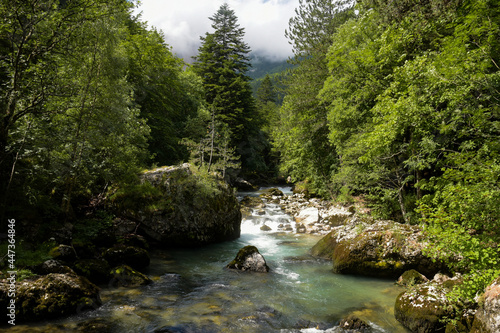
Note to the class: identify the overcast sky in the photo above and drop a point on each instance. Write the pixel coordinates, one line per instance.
(184, 21)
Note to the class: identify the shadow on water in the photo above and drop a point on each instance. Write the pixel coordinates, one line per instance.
(194, 292)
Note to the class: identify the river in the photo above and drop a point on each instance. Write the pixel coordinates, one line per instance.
(194, 292)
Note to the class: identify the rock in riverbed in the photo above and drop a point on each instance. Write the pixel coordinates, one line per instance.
(249, 259)
(51, 296)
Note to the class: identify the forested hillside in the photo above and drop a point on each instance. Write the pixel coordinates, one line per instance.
(398, 102)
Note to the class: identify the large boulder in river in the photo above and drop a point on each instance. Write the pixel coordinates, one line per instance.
(183, 208)
(51, 296)
(249, 259)
(424, 308)
(487, 319)
(382, 249)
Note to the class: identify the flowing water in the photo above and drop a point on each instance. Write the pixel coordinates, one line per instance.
(193, 292)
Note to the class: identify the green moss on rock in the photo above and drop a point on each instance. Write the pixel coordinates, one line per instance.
(125, 276)
(53, 296)
(188, 208)
(249, 259)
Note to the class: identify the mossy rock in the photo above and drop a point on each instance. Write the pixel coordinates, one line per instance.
(487, 318)
(96, 270)
(125, 276)
(248, 201)
(385, 249)
(411, 278)
(325, 246)
(132, 256)
(184, 208)
(265, 228)
(134, 240)
(352, 322)
(272, 192)
(249, 259)
(55, 295)
(423, 308)
(63, 252)
(52, 266)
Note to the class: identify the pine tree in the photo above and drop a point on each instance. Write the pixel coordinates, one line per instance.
(266, 92)
(222, 63)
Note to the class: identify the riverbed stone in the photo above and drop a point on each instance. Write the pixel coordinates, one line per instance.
(249, 259)
(487, 318)
(52, 296)
(190, 209)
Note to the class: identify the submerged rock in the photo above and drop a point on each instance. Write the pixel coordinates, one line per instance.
(249, 259)
(189, 209)
(487, 318)
(52, 296)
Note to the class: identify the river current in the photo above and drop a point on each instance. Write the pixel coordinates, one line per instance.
(194, 292)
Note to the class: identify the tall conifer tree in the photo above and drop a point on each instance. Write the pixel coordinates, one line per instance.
(222, 63)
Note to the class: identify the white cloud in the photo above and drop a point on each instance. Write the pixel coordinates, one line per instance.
(184, 21)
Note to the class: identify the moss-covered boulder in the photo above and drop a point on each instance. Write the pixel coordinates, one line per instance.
(63, 252)
(52, 266)
(271, 192)
(249, 259)
(132, 256)
(354, 324)
(125, 276)
(52, 296)
(487, 318)
(382, 249)
(96, 270)
(424, 307)
(411, 278)
(178, 206)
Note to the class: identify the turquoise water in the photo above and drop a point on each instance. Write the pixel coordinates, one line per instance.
(193, 292)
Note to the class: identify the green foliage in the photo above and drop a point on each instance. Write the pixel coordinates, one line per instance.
(27, 254)
(133, 197)
(300, 135)
(86, 230)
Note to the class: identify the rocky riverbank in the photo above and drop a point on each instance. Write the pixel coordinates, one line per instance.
(359, 245)
(170, 207)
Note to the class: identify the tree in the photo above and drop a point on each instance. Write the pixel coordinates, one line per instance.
(266, 92)
(301, 134)
(160, 92)
(36, 38)
(222, 64)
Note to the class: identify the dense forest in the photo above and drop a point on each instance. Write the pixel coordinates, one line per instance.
(395, 103)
